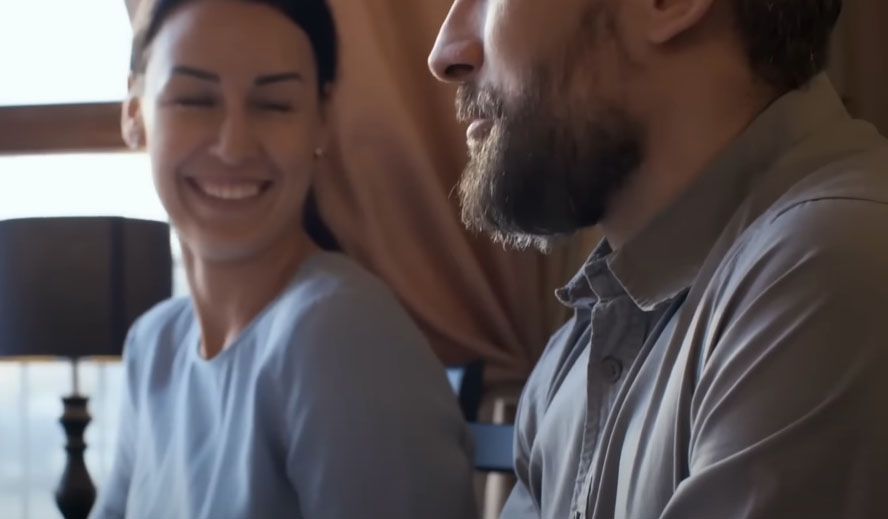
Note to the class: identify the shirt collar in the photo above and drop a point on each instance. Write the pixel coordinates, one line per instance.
(665, 257)
(593, 283)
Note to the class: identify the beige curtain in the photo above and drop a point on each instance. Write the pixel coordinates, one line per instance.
(387, 195)
(860, 59)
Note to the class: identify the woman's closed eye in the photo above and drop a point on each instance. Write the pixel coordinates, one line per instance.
(272, 105)
(199, 101)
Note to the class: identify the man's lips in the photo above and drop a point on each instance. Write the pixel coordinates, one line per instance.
(479, 129)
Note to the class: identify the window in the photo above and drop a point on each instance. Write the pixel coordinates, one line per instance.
(63, 51)
(81, 184)
(64, 66)
(32, 454)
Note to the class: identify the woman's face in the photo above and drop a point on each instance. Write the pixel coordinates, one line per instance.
(231, 117)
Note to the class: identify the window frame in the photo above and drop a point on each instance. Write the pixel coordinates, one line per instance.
(76, 127)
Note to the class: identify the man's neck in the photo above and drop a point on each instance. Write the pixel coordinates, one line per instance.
(687, 134)
(228, 295)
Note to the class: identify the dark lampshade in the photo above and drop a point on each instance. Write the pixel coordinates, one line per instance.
(71, 287)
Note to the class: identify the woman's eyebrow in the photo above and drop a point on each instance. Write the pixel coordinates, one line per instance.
(266, 79)
(185, 70)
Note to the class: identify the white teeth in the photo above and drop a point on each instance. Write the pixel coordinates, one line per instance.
(229, 190)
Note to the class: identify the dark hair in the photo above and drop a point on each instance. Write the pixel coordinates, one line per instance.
(787, 41)
(315, 227)
(312, 16)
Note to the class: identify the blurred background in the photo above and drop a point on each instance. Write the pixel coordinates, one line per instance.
(386, 197)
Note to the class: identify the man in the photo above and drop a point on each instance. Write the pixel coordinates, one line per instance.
(727, 357)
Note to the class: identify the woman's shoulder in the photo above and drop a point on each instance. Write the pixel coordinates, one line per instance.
(335, 306)
(340, 329)
(329, 283)
(333, 273)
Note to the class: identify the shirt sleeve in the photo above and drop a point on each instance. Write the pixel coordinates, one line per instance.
(521, 503)
(374, 428)
(112, 494)
(789, 418)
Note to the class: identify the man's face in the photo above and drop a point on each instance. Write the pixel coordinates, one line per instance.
(542, 89)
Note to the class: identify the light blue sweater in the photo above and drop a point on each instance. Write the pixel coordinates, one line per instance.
(330, 405)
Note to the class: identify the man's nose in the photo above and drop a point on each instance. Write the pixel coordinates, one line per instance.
(458, 53)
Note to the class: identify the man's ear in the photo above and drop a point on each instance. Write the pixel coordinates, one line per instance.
(132, 124)
(670, 19)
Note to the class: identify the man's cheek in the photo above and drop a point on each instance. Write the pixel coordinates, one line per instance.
(526, 31)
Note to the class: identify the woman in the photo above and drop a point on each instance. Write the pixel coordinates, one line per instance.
(290, 383)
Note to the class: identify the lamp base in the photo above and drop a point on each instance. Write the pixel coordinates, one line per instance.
(76, 494)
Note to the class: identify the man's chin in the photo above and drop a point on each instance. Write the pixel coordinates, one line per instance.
(504, 231)
(520, 241)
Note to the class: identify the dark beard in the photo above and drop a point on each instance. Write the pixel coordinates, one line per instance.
(538, 176)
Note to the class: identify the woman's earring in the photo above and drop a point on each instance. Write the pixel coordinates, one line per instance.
(135, 137)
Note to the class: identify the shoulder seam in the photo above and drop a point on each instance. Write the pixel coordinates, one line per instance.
(798, 203)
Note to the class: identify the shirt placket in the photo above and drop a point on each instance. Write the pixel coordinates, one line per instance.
(607, 358)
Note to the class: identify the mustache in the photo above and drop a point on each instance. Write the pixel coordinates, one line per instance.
(475, 102)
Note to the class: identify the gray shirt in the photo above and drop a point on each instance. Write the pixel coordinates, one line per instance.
(329, 405)
(731, 361)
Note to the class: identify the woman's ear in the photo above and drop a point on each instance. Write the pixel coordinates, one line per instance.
(132, 124)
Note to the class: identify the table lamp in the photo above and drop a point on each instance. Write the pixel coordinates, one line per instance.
(70, 288)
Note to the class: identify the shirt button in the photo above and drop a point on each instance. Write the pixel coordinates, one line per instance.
(612, 369)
